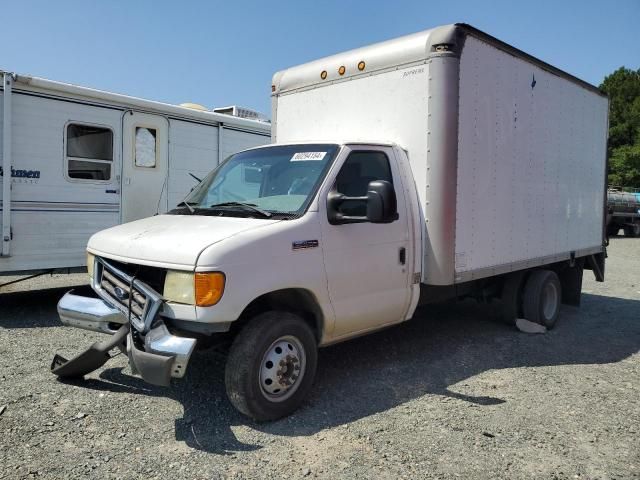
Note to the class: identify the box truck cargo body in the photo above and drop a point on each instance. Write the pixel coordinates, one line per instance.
(508, 153)
(445, 164)
(74, 160)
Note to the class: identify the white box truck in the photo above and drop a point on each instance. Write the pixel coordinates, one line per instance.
(75, 160)
(444, 164)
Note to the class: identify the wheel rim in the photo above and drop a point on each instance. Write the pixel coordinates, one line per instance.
(550, 300)
(282, 368)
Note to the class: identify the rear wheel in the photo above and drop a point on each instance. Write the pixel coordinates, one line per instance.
(631, 230)
(271, 365)
(541, 298)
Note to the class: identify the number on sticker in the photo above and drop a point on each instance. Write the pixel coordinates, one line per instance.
(307, 156)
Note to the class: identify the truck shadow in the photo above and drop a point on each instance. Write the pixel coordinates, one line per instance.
(33, 308)
(430, 355)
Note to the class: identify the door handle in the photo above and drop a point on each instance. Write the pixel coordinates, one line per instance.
(402, 255)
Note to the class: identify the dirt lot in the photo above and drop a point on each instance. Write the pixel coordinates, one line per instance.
(453, 393)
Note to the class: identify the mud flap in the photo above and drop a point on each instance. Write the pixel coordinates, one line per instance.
(91, 359)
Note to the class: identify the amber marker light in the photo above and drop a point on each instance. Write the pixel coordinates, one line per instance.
(209, 287)
(361, 66)
(323, 74)
(341, 70)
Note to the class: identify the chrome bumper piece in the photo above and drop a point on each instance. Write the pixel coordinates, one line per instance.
(157, 356)
(89, 314)
(164, 355)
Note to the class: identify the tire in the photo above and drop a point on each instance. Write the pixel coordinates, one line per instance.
(541, 298)
(271, 365)
(511, 297)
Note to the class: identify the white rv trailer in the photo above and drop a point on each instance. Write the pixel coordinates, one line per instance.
(75, 160)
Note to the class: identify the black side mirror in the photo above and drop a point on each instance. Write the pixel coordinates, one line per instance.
(381, 205)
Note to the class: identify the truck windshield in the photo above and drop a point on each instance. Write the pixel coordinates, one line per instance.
(264, 182)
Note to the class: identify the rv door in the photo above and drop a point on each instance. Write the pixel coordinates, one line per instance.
(145, 165)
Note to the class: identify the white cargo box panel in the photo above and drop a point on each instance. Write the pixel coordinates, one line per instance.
(508, 153)
(531, 164)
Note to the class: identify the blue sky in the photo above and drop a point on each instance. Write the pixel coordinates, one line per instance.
(221, 53)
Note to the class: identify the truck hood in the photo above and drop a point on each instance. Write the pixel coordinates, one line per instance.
(168, 240)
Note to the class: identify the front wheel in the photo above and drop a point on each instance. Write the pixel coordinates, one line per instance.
(271, 365)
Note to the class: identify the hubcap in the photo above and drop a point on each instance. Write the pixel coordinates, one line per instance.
(282, 368)
(550, 300)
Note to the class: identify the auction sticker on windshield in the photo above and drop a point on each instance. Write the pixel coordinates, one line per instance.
(307, 156)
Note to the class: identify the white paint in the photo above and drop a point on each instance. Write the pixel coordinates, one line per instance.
(144, 192)
(530, 172)
(177, 240)
(507, 183)
(367, 252)
(530, 162)
(385, 108)
(54, 216)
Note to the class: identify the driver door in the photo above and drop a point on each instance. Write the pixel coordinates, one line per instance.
(367, 263)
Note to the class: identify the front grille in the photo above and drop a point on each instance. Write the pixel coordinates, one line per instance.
(124, 294)
(133, 297)
(152, 276)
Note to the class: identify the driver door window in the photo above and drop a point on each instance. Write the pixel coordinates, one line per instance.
(354, 177)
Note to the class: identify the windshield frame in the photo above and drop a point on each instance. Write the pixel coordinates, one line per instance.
(207, 181)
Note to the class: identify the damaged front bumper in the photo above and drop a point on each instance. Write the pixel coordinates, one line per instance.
(157, 355)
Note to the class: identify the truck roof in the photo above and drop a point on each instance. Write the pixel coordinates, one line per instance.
(398, 52)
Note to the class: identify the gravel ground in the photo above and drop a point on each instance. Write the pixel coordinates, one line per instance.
(453, 393)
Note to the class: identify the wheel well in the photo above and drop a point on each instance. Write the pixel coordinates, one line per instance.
(295, 300)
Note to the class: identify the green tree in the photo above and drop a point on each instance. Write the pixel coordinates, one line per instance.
(623, 88)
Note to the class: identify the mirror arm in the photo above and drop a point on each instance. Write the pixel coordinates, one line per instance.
(336, 199)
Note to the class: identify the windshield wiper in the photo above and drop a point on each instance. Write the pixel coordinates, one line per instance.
(247, 206)
(188, 205)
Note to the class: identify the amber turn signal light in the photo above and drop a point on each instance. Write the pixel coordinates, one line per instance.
(209, 287)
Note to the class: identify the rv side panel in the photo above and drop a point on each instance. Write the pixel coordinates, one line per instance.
(234, 141)
(531, 153)
(53, 214)
(193, 149)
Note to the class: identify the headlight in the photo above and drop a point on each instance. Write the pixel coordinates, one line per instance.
(202, 289)
(90, 262)
(179, 287)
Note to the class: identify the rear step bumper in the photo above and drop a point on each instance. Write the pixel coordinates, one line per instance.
(157, 356)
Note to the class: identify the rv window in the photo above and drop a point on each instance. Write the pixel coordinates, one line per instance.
(89, 152)
(145, 147)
